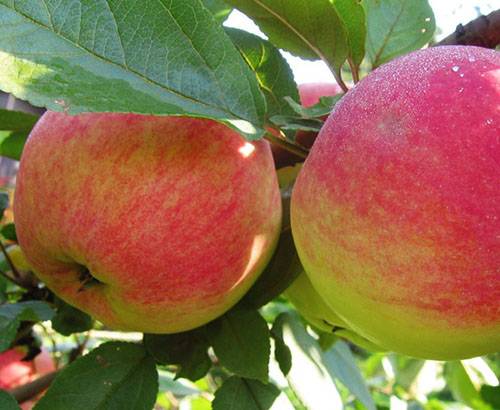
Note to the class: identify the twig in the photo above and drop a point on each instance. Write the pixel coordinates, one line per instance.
(78, 351)
(32, 389)
(294, 149)
(16, 273)
(13, 280)
(484, 31)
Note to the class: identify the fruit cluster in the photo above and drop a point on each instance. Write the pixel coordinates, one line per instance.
(161, 224)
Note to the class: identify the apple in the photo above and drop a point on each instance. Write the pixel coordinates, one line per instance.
(18, 258)
(396, 211)
(15, 372)
(148, 223)
(314, 310)
(310, 94)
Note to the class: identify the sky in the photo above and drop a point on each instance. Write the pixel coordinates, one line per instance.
(448, 15)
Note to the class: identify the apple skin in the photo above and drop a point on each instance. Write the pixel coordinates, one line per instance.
(15, 372)
(176, 217)
(309, 94)
(313, 308)
(18, 258)
(396, 211)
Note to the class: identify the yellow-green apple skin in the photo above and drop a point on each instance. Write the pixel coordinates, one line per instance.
(313, 308)
(18, 258)
(396, 211)
(175, 217)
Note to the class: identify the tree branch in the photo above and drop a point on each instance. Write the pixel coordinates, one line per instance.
(293, 148)
(483, 32)
(32, 389)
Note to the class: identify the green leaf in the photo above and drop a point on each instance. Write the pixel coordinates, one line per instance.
(69, 320)
(461, 385)
(114, 376)
(244, 394)
(321, 109)
(341, 364)
(396, 27)
(179, 388)
(491, 395)
(17, 121)
(406, 368)
(273, 72)
(8, 402)
(12, 144)
(8, 231)
(288, 122)
(218, 8)
(4, 202)
(167, 58)
(352, 15)
(4, 264)
(188, 350)
(311, 29)
(282, 353)
(12, 314)
(240, 340)
(309, 378)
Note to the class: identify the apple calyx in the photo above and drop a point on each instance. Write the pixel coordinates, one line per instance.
(86, 279)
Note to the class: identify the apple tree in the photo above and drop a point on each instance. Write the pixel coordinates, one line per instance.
(229, 300)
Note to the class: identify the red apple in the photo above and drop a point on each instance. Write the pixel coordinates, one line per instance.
(148, 223)
(15, 372)
(396, 212)
(309, 94)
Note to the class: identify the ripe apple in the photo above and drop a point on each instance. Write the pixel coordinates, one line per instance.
(309, 94)
(313, 308)
(396, 211)
(15, 372)
(148, 223)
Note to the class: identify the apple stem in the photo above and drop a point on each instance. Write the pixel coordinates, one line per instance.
(293, 148)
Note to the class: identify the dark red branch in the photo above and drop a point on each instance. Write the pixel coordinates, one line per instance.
(32, 389)
(483, 32)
